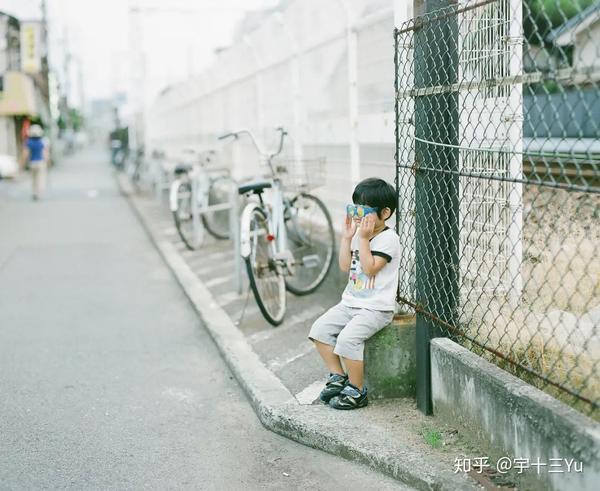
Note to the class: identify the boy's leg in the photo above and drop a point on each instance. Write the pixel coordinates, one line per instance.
(324, 333)
(355, 372)
(331, 360)
(351, 341)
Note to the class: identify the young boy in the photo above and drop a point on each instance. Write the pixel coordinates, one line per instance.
(370, 252)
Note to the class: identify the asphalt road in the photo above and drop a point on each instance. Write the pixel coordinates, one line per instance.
(107, 378)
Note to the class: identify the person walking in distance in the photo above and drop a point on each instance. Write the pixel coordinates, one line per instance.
(35, 151)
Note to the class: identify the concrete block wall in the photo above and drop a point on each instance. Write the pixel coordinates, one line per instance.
(390, 369)
(508, 417)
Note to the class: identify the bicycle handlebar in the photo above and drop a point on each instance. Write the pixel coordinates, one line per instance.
(261, 151)
(283, 134)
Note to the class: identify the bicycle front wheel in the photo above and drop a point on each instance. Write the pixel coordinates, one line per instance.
(184, 222)
(217, 222)
(311, 241)
(264, 272)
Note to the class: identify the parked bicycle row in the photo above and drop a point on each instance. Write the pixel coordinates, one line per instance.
(283, 233)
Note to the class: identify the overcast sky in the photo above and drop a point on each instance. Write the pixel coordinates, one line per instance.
(178, 40)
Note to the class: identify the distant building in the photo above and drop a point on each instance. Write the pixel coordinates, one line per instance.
(10, 61)
(581, 33)
(21, 99)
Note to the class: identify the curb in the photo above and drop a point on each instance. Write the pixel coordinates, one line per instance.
(277, 409)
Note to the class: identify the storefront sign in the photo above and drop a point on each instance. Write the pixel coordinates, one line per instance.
(31, 47)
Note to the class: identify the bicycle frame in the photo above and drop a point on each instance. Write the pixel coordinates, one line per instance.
(200, 177)
(274, 207)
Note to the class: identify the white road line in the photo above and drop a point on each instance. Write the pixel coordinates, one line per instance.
(307, 314)
(218, 256)
(186, 253)
(215, 268)
(309, 394)
(290, 356)
(291, 324)
(195, 260)
(227, 298)
(218, 281)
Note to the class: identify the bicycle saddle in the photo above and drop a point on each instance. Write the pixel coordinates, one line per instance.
(182, 169)
(255, 187)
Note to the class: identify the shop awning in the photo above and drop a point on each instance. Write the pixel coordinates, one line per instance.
(18, 96)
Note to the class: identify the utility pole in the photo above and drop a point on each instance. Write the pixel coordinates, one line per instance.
(45, 54)
(47, 89)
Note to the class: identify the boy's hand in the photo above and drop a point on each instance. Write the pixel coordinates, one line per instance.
(349, 228)
(367, 226)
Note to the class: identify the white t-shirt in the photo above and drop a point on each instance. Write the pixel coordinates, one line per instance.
(374, 292)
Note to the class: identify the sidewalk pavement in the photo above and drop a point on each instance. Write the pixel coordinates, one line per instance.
(282, 374)
(108, 379)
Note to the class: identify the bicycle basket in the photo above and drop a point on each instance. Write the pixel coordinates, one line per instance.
(301, 175)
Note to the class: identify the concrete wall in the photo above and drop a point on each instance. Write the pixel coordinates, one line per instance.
(323, 70)
(390, 363)
(508, 417)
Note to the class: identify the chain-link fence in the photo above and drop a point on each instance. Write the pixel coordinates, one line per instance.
(498, 175)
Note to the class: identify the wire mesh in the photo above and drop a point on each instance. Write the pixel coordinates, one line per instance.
(498, 179)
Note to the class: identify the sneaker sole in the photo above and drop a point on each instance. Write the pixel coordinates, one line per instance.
(349, 408)
(327, 399)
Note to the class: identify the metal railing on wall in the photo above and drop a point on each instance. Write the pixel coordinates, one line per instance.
(499, 204)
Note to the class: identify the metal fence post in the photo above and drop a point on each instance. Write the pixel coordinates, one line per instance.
(436, 193)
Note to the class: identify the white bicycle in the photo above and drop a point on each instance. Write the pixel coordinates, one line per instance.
(199, 200)
(287, 238)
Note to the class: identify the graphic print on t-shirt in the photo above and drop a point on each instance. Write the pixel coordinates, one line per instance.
(376, 292)
(359, 284)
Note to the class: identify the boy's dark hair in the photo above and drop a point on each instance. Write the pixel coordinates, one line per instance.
(376, 193)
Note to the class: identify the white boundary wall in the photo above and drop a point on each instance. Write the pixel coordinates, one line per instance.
(323, 70)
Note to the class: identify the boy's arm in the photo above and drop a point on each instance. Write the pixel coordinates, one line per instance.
(345, 255)
(370, 264)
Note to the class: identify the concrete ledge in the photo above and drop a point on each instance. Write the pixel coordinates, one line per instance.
(390, 363)
(315, 426)
(508, 417)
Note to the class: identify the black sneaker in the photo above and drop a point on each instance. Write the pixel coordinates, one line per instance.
(350, 398)
(333, 387)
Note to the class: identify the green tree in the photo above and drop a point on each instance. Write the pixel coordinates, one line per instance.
(541, 16)
(76, 119)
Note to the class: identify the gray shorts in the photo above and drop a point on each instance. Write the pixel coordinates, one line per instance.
(347, 328)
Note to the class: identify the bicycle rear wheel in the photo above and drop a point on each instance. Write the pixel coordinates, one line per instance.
(184, 222)
(217, 222)
(264, 273)
(311, 240)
